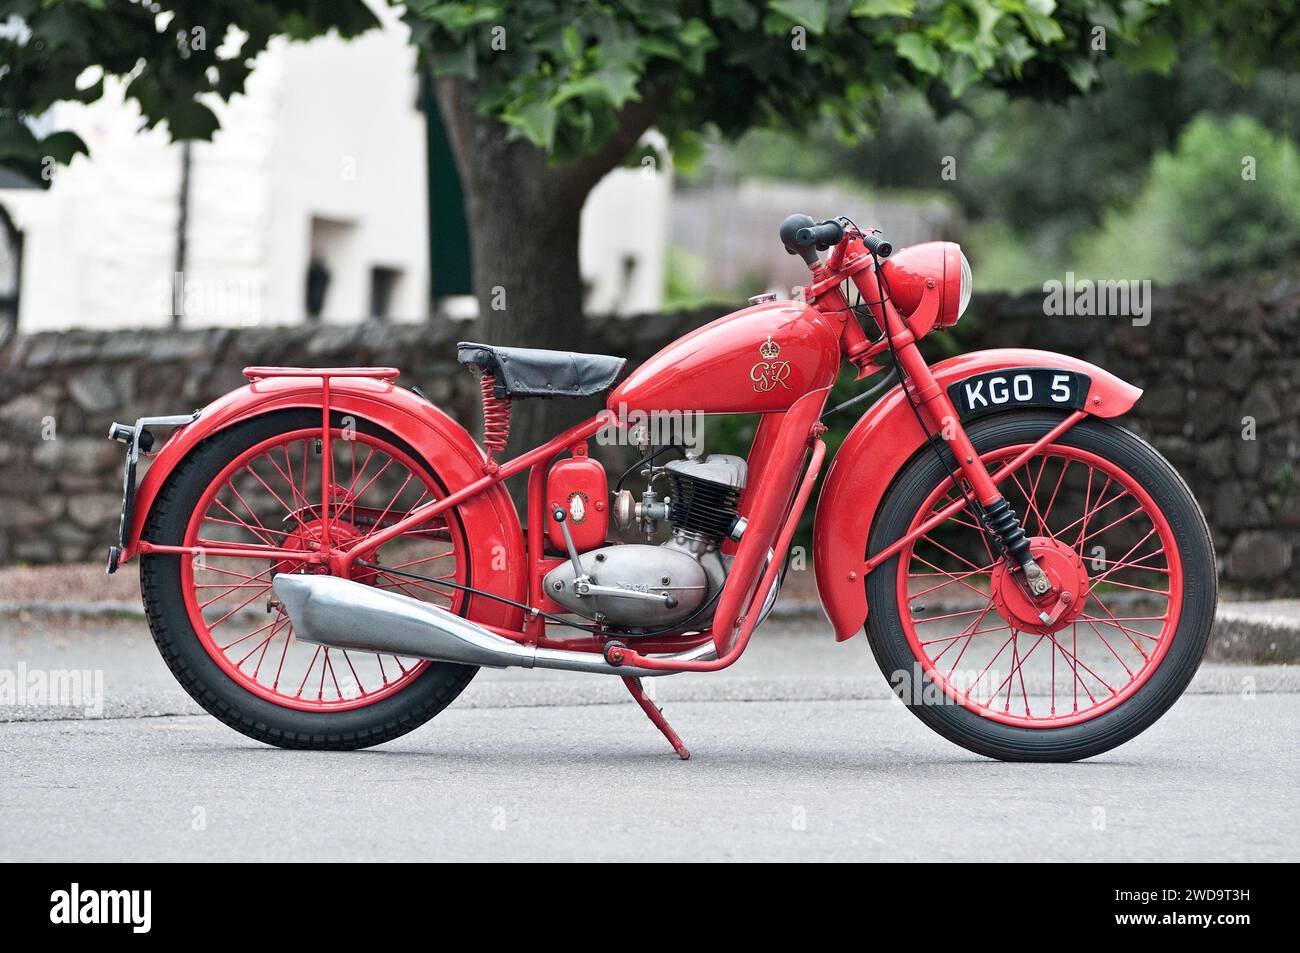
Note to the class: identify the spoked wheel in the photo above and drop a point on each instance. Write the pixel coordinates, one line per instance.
(259, 485)
(1111, 523)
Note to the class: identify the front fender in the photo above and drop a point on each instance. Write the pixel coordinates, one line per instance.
(877, 448)
(492, 530)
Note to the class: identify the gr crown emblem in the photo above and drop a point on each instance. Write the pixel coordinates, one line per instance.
(769, 373)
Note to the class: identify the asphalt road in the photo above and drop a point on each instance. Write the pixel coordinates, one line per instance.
(799, 753)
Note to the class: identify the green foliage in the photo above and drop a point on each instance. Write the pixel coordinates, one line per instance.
(1227, 197)
(1033, 180)
(559, 72)
(1006, 260)
(562, 73)
(1025, 162)
(685, 285)
(171, 52)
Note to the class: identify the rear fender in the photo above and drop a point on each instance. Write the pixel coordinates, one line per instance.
(493, 534)
(877, 448)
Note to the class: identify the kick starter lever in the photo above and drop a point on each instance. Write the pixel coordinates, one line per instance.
(582, 583)
(559, 517)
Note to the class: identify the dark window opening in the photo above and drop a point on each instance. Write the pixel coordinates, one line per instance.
(383, 285)
(11, 275)
(318, 283)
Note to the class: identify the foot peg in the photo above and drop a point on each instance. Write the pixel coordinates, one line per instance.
(657, 716)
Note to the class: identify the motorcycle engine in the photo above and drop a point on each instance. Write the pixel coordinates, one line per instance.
(640, 586)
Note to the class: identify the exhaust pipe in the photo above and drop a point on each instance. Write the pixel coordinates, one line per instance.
(343, 614)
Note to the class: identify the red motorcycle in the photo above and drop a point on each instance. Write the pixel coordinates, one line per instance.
(327, 558)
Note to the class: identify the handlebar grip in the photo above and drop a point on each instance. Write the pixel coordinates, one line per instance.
(882, 247)
(822, 236)
(790, 228)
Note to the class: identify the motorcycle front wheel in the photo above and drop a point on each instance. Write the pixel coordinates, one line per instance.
(215, 618)
(1110, 521)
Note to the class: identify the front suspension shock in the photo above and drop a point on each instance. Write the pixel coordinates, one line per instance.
(1002, 521)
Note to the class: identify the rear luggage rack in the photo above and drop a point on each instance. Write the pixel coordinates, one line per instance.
(138, 440)
(381, 373)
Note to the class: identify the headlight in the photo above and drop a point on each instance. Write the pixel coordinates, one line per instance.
(920, 270)
(967, 286)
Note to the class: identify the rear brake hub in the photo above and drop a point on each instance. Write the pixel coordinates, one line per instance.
(1069, 579)
(307, 538)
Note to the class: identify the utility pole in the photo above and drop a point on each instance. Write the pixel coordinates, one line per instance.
(182, 227)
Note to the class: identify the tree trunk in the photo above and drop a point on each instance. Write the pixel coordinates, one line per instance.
(523, 215)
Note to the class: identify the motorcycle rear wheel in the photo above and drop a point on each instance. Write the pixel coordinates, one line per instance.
(1108, 512)
(215, 621)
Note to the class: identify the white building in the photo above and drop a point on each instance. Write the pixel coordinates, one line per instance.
(323, 160)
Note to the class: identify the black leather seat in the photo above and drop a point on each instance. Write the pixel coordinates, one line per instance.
(529, 372)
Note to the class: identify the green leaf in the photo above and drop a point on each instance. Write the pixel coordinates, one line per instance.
(1017, 52)
(809, 13)
(960, 75)
(17, 141)
(1156, 53)
(698, 39)
(192, 120)
(62, 146)
(651, 47)
(458, 17)
(536, 121)
(1083, 71)
(610, 84)
(1041, 26)
(988, 15)
(913, 48)
(573, 44)
(696, 33)
(459, 60)
(882, 8)
(740, 12)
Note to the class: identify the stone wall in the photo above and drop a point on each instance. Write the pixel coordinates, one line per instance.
(1213, 358)
(60, 478)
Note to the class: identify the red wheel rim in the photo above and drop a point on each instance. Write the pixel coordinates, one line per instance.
(1101, 655)
(270, 495)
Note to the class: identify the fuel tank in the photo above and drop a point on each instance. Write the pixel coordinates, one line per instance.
(758, 360)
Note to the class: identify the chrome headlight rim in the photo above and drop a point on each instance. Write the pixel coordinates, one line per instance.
(967, 286)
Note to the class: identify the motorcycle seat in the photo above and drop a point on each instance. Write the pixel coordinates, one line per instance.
(530, 372)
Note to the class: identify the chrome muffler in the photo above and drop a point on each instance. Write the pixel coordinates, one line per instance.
(342, 614)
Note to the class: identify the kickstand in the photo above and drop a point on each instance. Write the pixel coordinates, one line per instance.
(657, 716)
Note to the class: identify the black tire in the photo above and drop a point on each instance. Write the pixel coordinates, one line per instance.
(988, 737)
(199, 674)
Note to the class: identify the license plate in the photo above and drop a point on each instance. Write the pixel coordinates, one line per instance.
(1019, 387)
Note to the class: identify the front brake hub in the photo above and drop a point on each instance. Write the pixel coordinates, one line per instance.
(1069, 578)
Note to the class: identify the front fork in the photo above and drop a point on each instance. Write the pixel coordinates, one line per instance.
(939, 415)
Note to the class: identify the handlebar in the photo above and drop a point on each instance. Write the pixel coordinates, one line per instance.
(821, 236)
(881, 246)
(804, 237)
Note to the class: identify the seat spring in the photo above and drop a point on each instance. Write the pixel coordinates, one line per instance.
(496, 417)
